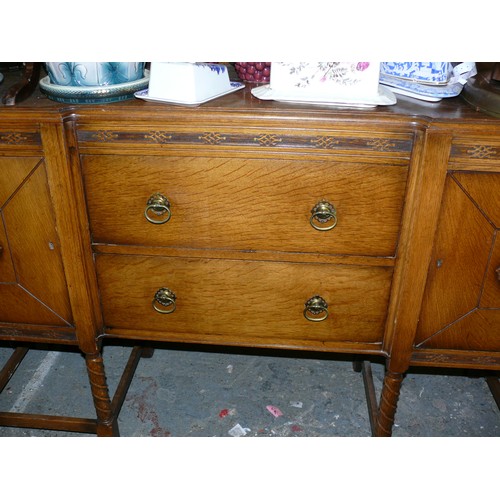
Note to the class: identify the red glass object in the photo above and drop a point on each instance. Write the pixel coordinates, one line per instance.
(256, 72)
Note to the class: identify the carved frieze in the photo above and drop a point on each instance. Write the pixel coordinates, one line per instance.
(19, 138)
(475, 152)
(483, 151)
(157, 136)
(266, 139)
(212, 138)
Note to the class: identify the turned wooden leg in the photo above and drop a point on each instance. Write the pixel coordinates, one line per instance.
(107, 424)
(388, 404)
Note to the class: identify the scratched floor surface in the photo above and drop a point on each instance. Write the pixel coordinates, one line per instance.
(198, 393)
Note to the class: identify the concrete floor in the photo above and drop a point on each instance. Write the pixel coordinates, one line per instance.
(204, 393)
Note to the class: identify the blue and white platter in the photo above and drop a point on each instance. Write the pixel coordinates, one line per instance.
(93, 94)
(143, 94)
(423, 91)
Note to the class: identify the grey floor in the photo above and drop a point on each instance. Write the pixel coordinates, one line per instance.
(186, 393)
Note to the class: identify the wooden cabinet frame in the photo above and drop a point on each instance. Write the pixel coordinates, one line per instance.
(429, 143)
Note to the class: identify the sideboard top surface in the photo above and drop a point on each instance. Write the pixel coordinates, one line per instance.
(243, 104)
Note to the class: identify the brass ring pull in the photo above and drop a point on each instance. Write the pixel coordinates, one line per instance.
(166, 299)
(157, 205)
(316, 309)
(323, 212)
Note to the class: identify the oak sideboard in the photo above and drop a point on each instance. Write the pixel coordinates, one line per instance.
(240, 222)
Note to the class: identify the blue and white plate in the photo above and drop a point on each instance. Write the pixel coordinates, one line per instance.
(426, 92)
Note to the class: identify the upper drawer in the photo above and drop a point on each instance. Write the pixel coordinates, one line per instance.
(246, 204)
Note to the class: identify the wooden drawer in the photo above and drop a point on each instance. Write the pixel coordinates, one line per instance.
(238, 299)
(245, 204)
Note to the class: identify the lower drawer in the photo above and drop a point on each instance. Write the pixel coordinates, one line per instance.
(238, 298)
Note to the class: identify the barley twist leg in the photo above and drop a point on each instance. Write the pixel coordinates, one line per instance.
(106, 420)
(388, 404)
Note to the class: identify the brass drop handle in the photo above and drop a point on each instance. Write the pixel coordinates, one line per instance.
(316, 309)
(323, 212)
(164, 301)
(158, 209)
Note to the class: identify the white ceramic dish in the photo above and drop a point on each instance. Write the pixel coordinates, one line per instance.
(187, 82)
(325, 81)
(143, 94)
(385, 98)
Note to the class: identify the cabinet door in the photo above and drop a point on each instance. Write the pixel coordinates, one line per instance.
(32, 282)
(461, 307)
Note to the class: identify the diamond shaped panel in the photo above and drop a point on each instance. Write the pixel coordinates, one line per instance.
(32, 283)
(459, 261)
